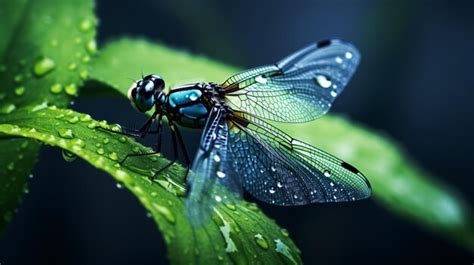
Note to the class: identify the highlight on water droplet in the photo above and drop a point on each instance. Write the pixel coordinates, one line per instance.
(68, 156)
(43, 66)
(100, 151)
(84, 74)
(73, 119)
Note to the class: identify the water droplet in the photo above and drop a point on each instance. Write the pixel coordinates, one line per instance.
(72, 66)
(71, 89)
(261, 241)
(273, 168)
(91, 46)
(92, 125)
(295, 196)
(80, 143)
(279, 185)
(8, 108)
(284, 232)
(332, 184)
(272, 190)
(86, 59)
(323, 81)
(66, 133)
(220, 174)
(333, 94)
(68, 156)
(218, 198)
(86, 25)
(73, 119)
(260, 79)
(327, 173)
(11, 166)
(43, 66)
(136, 149)
(113, 156)
(165, 212)
(41, 106)
(106, 140)
(122, 139)
(118, 185)
(348, 55)
(84, 74)
(19, 91)
(18, 78)
(56, 88)
(100, 151)
(86, 118)
(24, 145)
(338, 59)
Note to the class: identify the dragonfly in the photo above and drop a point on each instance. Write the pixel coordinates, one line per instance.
(239, 149)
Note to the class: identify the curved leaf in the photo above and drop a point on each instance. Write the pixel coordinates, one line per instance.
(397, 183)
(239, 233)
(45, 48)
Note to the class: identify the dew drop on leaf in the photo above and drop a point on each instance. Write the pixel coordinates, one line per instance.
(56, 88)
(91, 46)
(71, 89)
(43, 66)
(86, 25)
(19, 91)
(113, 156)
(100, 151)
(260, 240)
(65, 133)
(8, 108)
(68, 156)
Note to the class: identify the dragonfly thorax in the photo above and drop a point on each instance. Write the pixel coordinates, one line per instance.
(188, 105)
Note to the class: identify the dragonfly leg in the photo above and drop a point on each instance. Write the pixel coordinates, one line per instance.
(158, 148)
(175, 154)
(187, 161)
(140, 133)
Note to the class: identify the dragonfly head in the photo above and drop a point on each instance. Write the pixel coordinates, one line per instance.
(143, 93)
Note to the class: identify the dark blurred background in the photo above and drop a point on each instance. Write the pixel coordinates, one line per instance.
(415, 84)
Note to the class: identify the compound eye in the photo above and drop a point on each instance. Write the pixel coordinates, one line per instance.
(147, 89)
(141, 96)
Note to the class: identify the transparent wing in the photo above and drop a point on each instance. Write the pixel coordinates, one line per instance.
(299, 88)
(207, 178)
(280, 170)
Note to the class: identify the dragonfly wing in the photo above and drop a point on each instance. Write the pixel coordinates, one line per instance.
(280, 170)
(299, 88)
(208, 178)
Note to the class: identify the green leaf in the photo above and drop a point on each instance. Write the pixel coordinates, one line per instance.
(239, 233)
(398, 184)
(45, 47)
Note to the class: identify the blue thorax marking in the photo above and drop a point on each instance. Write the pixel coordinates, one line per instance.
(182, 97)
(194, 111)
